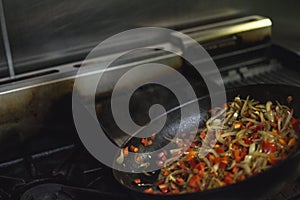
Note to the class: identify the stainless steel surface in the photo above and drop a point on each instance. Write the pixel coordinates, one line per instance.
(228, 28)
(27, 103)
(47, 33)
(225, 36)
(6, 42)
(238, 33)
(49, 85)
(285, 17)
(3, 63)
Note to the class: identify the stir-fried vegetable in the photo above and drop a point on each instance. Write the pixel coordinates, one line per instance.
(251, 138)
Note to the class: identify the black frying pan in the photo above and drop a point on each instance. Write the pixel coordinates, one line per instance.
(258, 186)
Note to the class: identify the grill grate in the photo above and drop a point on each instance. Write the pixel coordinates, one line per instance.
(273, 73)
(280, 76)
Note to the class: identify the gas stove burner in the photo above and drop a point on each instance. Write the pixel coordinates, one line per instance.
(46, 192)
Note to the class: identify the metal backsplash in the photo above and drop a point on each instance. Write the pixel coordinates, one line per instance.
(3, 63)
(50, 32)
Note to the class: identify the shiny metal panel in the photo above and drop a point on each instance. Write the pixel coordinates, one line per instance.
(3, 63)
(47, 33)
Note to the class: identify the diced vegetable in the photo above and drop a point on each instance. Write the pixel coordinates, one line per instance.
(125, 151)
(137, 181)
(133, 149)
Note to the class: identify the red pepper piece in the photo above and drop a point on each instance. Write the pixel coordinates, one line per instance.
(272, 159)
(202, 135)
(193, 145)
(228, 180)
(125, 151)
(296, 124)
(268, 147)
(255, 135)
(192, 163)
(235, 170)
(244, 152)
(224, 162)
(276, 118)
(133, 149)
(222, 165)
(191, 155)
(292, 142)
(249, 124)
(260, 127)
(237, 155)
(137, 181)
(217, 160)
(247, 141)
(144, 141)
(163, 188)
(194, 181)
(138, 159)
(241, 177)
(289, 99)
(165, 172)
(220, 150)
(200, 166)
(211, 158)
(176, 191)
(149, 191)
(179, 180)
(182, 165)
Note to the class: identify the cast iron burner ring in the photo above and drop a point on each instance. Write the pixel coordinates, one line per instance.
(46, 192)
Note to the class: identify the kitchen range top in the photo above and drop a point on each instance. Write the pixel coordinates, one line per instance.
(71, 173)
(42, 157)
